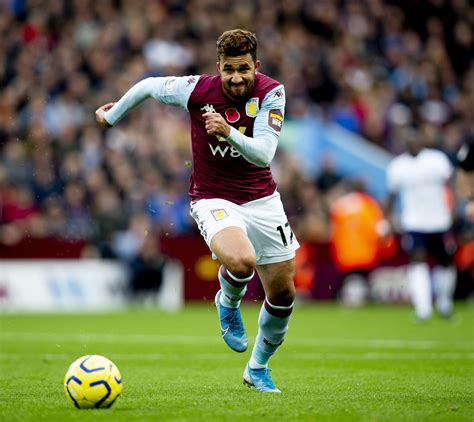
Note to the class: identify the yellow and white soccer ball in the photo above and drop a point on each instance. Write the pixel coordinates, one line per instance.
(93, 382)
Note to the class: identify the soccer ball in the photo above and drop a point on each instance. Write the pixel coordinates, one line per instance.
(93, 382)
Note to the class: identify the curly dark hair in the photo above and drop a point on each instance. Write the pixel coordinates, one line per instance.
(237, 42)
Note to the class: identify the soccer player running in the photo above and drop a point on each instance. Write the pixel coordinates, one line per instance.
(420, 176)
(236, 119)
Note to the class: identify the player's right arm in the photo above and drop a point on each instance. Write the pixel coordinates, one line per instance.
(100, 115)
(171, 90)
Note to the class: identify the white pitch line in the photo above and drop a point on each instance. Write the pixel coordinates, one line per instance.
(182, 339)
(227, 356)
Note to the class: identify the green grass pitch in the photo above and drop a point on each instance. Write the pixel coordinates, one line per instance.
(337, 364)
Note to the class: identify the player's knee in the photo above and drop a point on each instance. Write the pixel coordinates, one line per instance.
(285, 296)
(241, 266)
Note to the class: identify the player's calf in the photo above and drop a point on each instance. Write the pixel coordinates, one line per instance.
(272, 327)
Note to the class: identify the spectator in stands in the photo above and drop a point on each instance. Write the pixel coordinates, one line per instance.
(328, 176)
(147, 271)
(374, 66)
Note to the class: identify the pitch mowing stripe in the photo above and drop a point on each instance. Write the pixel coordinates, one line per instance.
(203, 340)
(112, 338)
(226, 356)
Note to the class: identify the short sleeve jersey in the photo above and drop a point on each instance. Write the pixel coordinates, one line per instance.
(421, 183)
(219, 170)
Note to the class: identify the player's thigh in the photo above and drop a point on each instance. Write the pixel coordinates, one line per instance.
(269, 230)
(234, 250)
(223, 227)
(277, 281)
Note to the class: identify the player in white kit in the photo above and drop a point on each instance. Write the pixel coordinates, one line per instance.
(420, 177)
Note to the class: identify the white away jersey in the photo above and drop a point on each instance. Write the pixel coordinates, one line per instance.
(421, 183)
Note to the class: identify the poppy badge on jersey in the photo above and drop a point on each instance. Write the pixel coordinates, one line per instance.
(251, 108)
(232, 115)
(219, 214)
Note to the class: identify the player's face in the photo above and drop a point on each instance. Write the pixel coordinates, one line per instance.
(237, 75)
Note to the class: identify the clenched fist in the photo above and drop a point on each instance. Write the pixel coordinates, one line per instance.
(216, 125)
(100, 115)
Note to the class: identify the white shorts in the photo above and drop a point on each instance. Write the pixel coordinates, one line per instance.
(263, 220)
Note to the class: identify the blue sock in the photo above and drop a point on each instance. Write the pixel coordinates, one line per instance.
(233, 288)
(273, 325)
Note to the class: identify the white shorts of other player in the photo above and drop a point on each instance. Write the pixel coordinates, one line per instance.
(263, 220)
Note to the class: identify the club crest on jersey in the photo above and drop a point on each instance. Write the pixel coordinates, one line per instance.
(251, 108)
(219, 214)
(275, 119)
(232, 115)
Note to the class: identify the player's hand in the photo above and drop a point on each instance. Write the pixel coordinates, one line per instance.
(216, 125)
(100, 115)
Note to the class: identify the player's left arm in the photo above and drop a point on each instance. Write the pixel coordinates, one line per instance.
(259, 149)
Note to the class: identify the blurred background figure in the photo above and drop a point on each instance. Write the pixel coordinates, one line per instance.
(465, 177)
(356, 240)
(465, 191)
(420, 176)
(328, 177)
(138, 247)
(147, 268)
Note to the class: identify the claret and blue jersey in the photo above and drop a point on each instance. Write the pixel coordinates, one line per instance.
(219, 169)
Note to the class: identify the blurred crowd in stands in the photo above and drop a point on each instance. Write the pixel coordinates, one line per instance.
(371, 66)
